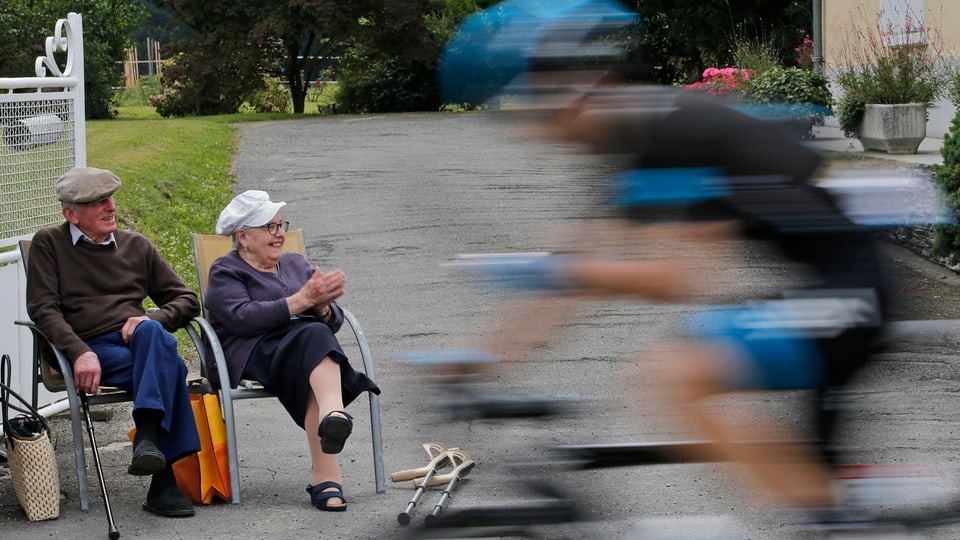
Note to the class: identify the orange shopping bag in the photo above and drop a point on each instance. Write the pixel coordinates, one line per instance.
(206, 474)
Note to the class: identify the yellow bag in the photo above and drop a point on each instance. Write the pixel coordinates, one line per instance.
(206, 474)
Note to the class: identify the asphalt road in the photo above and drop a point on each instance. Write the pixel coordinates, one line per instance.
(388, 199)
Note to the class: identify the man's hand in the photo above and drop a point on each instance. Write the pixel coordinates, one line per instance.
(130, 326)
(86, 372)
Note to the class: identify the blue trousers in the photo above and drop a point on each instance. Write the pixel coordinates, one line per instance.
(150, 368)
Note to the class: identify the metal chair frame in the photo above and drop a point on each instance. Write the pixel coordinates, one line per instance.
(206, 249)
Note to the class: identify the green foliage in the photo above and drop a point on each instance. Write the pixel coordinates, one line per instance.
(953, 87)
(139, 95)
(206, 81)
(679, 37)
(947, 179)
(755, 55)
(391, 63)
(790, 85)
(444, 15)
(386, 85)
(850, 111)
(107, 26)
(273, 97)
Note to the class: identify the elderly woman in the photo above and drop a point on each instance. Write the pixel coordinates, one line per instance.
(276, 316)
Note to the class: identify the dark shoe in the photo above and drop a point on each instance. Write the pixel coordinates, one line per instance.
(147, 459)
(321, 498)
(169, 502)
(334, 431)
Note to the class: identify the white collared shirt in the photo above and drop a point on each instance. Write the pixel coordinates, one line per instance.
(78, 235)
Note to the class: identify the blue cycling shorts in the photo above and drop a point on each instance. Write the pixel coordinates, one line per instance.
(763, 350)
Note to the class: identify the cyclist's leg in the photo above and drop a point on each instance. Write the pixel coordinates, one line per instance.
(732, 357)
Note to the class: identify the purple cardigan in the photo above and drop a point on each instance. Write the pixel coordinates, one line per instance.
(244, 304)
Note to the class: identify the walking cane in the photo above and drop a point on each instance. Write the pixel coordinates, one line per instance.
(439, 461)
(114, 531)
(433, 449)
(458, 473)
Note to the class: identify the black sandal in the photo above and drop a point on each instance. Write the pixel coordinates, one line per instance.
(334, 431)
(321, 498)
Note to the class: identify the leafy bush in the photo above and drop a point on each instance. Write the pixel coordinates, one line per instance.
(392, 84)
(205, 81)
(850, 110)
(274, 97)
(170, 101)
(947, 179)
(790, 85)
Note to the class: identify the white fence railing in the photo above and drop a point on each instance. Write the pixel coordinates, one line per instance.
(43, 136)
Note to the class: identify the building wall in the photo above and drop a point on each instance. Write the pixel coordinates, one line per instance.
(841, 18)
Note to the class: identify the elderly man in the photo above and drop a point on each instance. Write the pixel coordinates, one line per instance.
(86, 286)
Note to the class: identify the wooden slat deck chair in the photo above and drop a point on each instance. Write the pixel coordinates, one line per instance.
(206, 249)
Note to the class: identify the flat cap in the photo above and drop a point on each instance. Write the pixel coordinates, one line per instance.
(82, 185)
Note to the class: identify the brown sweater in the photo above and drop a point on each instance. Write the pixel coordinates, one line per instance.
(76, 292)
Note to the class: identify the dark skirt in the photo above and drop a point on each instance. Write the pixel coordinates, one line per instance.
(283, 360)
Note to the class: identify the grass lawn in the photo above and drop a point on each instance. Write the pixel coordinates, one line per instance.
(176, 174)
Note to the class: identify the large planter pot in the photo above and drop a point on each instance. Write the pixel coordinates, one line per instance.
(894, 129)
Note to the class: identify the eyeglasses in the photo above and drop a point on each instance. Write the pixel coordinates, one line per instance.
(274, 227)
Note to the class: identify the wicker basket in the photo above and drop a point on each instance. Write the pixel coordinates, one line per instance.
(30, 455)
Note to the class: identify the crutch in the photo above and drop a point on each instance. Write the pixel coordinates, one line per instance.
(439, 461)
(458, 473)
(433, 449)
(457, 458)
(114, 531)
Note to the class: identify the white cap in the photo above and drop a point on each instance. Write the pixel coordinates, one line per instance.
(251, 208)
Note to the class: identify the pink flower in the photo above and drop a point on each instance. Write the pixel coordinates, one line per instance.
(720, 81)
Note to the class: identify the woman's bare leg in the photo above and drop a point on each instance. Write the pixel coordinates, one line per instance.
(326, 397)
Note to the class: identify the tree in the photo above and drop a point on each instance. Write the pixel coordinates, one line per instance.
(218, 64)
(391, 63)
(107, 25)
(300, 38)
(289, 38)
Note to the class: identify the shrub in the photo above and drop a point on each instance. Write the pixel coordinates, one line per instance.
(204, 81)
(807, 90)
(850, 113)
(947, 179)
(170, 101)
(386, 85)
(791, 85)
(274, 97)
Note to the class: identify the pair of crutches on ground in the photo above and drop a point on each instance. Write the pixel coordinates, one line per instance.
(427, 476)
